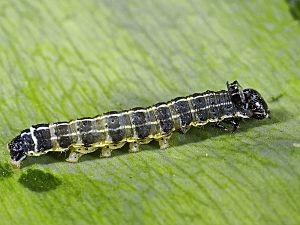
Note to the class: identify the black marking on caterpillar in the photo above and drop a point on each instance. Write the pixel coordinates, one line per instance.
(139, 125)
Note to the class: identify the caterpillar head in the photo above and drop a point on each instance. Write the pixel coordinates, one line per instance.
(248, 101)
(256, 104)
(19, 146)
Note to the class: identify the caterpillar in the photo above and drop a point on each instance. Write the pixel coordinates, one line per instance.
(138, 126)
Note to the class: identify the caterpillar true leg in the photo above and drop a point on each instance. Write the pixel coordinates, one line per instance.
(235, 123)
(183, 130)
(220, 125)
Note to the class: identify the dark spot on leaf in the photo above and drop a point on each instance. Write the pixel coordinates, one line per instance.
(39, 181)
(276, 98)
(5, 171)
(294, 6)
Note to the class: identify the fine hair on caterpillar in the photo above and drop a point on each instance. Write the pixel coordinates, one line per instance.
(138, 126)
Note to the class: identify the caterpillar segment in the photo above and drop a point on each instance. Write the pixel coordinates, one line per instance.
(139, 126)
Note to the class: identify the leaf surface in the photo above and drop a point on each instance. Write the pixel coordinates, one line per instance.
(61, 60)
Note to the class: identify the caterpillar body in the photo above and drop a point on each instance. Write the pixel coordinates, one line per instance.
(139, 125)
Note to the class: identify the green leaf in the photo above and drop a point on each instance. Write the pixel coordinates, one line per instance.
(61, 60)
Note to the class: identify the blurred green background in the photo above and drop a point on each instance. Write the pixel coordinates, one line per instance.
(61, 60)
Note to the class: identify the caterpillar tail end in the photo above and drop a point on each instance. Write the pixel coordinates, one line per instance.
(16, 164)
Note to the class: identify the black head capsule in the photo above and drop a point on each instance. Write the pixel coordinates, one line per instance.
(20, 146)
(256, 104)
(249, 102)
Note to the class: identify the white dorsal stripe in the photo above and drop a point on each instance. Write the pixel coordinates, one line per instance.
(35, 141)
